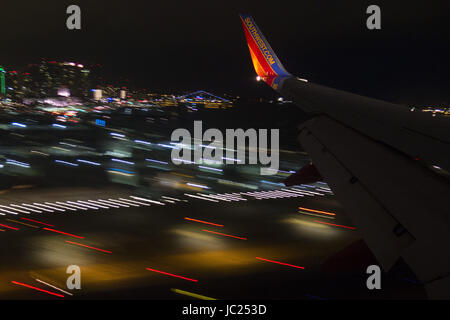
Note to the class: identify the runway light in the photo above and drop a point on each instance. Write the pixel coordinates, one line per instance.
(65, 233)
(205, 222)
(42, 290)
(336, 225)
(83, 245)
(172, 275)
(317, 211)
(226, 235)
(36, 221)
(282, 263)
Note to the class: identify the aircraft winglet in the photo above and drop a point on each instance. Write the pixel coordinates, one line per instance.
(265, 61)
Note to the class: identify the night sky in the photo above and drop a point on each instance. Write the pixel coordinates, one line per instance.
(176, 46)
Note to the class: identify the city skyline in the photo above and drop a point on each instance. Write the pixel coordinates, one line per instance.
(319, 43)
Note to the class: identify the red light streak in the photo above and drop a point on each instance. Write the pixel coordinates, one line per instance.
(336, 225)
(4, 225)
(67, 234)
(226, 235)
(206, 222)
(42, 290)
(282, 263)
(50, 225)
(173, 275)
(83, 245)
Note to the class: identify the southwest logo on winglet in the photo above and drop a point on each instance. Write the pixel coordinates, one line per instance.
(259, 41)
(265, 62)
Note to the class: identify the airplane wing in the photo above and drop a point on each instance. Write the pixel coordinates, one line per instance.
(388, 166)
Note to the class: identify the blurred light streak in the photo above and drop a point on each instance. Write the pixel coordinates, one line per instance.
(316, 215)
(100, 203)
(91, 204)
(9, 227)
(156, 161)
(84, 245)
(37, 221)
(168, 146)
(123, 202)
(17, 124)
(47, 206)
(197, 185)
(122, 172)
(273, 183)
(173, 275)
(132, 201)
(65, 233)
(183, 161)
(42, 290)
(69, 205)
(142, 142)
(198, 197)
(205, 222)
(318, 211)
(22, 211)
(211, 169)
(175, 199)
(114, 134)
(89, 162)
(29, 205)
(214, 197)
(226, 235)
(282, 263)
(7, 211)
(32, 210)
(112, 203)
(193, 295)
(148, 200)
(68, 163)
(61, 206)
(336, 225)
(51, 286)
(17, 163)
(25, 224)
(41, 153)
(84, 205)
(122, 161)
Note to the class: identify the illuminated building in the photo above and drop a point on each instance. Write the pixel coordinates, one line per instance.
(97, 94)
(205, 100)
(49, 77)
